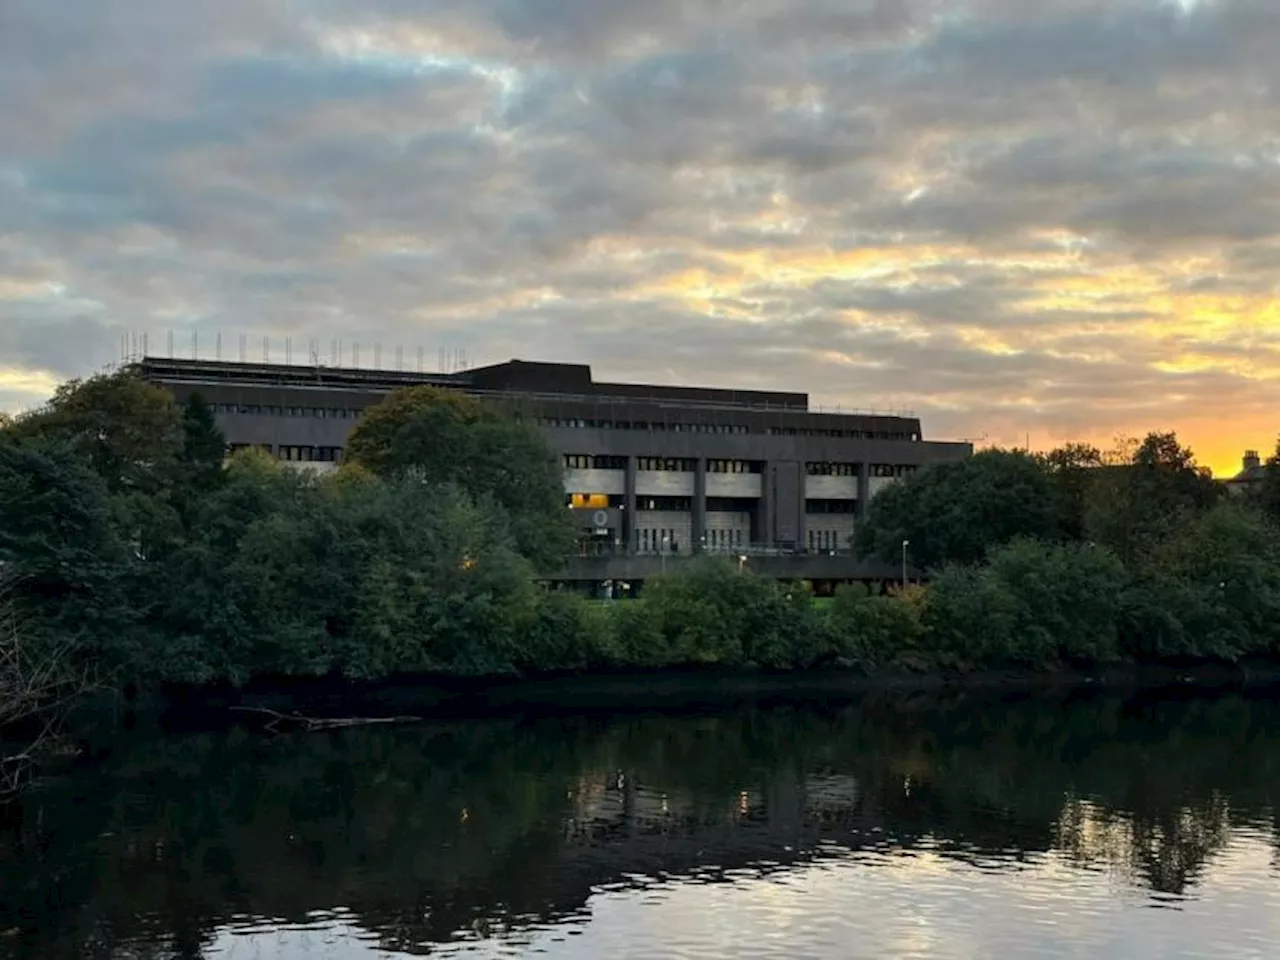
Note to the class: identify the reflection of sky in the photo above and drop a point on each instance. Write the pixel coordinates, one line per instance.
(877, 905)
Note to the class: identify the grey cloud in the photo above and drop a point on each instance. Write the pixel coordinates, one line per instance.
(227, 166)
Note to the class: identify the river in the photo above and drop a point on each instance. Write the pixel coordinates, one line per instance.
(1057, 826)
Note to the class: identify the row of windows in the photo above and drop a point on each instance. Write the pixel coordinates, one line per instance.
(827, 540)
(732, 466)
(318, 413)
(842, 434)
(582, 461)
(724, 539)
(293, 454)
(310, 454)
(722, 428)
(831, 469)
(651, 426)
(830, 506)
(893, 469)
(345, 413)
(660, 540)
(672, 464)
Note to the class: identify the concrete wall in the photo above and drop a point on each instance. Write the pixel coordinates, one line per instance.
(664, 483)
(595, 481)
(831, 488)
(738, 485)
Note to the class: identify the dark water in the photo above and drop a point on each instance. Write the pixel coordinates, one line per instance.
(1085, 828)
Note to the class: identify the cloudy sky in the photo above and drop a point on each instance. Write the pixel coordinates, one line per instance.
(1054, 218)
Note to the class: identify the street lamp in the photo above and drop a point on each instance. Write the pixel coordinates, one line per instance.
(905, 544)
(665, 541)
(742, 562)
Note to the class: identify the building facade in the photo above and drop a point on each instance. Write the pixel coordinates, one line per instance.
(647, 469)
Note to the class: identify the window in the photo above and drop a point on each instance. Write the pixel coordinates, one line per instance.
(297, 454)
(672, 464)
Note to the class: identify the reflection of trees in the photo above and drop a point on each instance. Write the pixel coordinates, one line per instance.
(427, 831)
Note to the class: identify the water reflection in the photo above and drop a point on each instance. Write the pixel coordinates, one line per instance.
(891, 824)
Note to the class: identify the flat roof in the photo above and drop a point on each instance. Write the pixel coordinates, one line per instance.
(515, 376)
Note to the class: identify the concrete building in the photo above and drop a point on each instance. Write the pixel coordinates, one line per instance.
(649, 470)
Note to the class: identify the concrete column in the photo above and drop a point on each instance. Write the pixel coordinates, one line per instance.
(864, 489)
(629, 519)
(802, 511)
(699, 506)
(768, 497)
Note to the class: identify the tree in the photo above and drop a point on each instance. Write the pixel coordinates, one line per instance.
(958, 511)
(1267, 494)
(130, 430)
(204, 446)
(499, 459)
(1072, 468)
(62, 543)
(1132, 506)
(1219, 575)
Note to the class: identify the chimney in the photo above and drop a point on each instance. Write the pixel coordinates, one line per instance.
(1251, 460)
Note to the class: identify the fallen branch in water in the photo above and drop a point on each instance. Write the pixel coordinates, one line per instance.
(312, 724)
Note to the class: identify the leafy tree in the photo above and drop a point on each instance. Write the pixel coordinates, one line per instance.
(130, 430)
(499, 459)
(1065, 599)
(970, 619)
(1133, 506)
(61, 543)
(1219, 575)
(204, 446)
(957, 511)
(1267, 494)
(1072, 468)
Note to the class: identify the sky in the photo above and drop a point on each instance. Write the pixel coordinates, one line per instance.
(1024, 220)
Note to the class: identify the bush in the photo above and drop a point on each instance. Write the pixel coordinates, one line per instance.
(870, 632)
(712, 613)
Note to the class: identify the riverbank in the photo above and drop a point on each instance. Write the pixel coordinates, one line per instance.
(620, 693)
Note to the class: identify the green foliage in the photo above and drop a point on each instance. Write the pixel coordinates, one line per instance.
(62, 544)
(485, 450)
(713, 613)
(127, 537)
(129, 430)
(204, 447)
(1267, 494)
(1220, 575)
(956, 512)
(1072, 468)
(871, 631)
(1136, 503)
(969, 619)
(362, 576)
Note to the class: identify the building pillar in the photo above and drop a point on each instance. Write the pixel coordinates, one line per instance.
(764, 514)
(864, 490)
(699, 531)
(802, 510)
(629, 518)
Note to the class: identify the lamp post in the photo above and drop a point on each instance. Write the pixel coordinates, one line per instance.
(665, 541)
(905, 544)
(742, 562)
